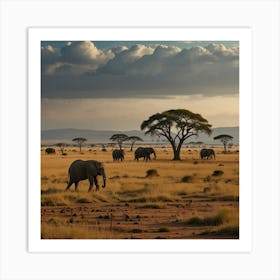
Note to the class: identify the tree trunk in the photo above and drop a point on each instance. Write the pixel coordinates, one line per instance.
(177, 151)
(176, 155)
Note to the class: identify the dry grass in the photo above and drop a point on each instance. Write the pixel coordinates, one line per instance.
(179, 182)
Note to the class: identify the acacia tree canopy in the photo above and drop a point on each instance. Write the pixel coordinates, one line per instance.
(61, 146)
(119, 138)
(80, 141)
(133, 139)
(224, 138)
(176, 126)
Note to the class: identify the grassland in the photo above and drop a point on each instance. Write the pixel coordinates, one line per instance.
(187, 199)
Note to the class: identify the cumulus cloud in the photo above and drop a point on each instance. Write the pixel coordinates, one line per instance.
(140, 70)
(75, 58)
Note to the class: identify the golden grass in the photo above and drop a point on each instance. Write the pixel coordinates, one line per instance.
(127, 182)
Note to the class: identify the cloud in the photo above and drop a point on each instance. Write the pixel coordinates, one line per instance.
(81, 70)
(74, 59)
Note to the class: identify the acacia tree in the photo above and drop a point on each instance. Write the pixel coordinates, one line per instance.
(133, 139)
(79, 141)
(176, 126)
(224, 138)
(119, 138)
(61, 146)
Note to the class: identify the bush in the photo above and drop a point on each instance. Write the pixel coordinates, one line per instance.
(207, 189)
(50, 191)
(221, 217)
(52, 222)
(163, 229)
(186, 179)
(136, 230)
(151, 173)
(217, 173)
(228, 232)
(83, 200)
(52, 201)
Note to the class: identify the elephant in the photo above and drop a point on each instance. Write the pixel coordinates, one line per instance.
(49, 151)
(82, 170)
(207, 154)
(118, 155)
(144, 153)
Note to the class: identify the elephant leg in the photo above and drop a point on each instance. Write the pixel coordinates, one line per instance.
(96, 183)
(76, 186)
(69, 185)
(90, 183)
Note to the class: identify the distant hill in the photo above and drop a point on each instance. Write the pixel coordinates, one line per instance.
(233, 131)
(52, 136)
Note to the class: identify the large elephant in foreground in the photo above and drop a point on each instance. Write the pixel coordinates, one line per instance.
(82, 170)
(118, 155)
(207, 154)
(144, 153)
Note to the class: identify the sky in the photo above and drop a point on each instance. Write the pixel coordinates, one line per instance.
(115, 85)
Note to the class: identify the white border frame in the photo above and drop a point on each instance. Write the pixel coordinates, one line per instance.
(243, 35)
(262, 16)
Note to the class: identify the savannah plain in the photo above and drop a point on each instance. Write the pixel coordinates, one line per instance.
(158, 199)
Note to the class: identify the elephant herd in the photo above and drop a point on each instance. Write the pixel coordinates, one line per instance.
(80, 170)
(118, 155)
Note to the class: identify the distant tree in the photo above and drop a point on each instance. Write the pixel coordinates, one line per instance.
(79, 141)
(133, 139)
(119, 138)
(61, 146)
(224, 138)
(176, 126)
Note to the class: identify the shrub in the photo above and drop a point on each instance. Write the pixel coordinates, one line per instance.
(217, 173)
(83, 200)
(64, 154)
(151, 173)
(136, 230)
(163, 229)
(223, 216)
(207, 189)
(52, 201)
(186, 179)
(50, 191)
(52, 222)
(228, 232)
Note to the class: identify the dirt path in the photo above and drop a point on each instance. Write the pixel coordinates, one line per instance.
(140, 220)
